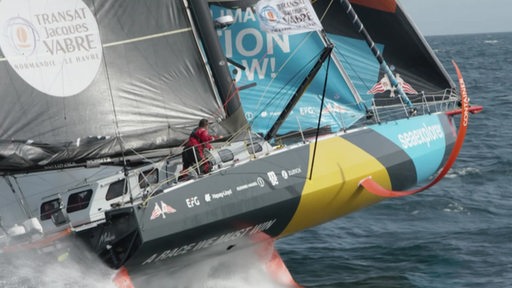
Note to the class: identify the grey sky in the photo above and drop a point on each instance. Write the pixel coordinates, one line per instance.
(441, 17)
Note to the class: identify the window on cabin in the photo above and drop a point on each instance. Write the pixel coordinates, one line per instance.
(147, 178)
(116, 189)
(48, 208)
(256, 148)
(79, 201)
(226, 155)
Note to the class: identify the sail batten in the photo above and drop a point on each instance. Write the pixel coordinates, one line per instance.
(148, 37)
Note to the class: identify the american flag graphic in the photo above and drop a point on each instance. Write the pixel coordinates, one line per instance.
(405, 86)
(167, 208)
(156, 212)
(384, 85)
(377, 88)
(161, 210)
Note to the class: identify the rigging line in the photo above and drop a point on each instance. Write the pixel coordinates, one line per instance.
(358, 25)
(294, 79)
(320, 118)
(326, 10)
(117, 130)
(231, 93)
(337, 62)
(23, 199)
(193, 167)
(352, 68)
(303, 42)
(20, 201)
(333, 115)
(299, 92)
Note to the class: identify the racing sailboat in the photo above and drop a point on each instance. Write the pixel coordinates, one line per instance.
(98, 99)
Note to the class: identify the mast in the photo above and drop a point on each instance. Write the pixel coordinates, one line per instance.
(217, 60)
(300, 91)
(369, 41)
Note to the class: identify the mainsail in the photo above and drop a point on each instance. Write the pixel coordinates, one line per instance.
(66, 96)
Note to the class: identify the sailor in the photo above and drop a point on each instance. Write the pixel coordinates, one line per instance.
(193, 153)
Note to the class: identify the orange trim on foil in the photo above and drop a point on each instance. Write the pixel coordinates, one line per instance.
(383, 5)
(122, 279)
(375, 188)
(473, 110)
(274, 263)
(38, 243)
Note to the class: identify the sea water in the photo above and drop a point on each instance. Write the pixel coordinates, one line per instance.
(456, 234)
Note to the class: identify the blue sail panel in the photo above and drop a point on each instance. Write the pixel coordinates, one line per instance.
(360, 65)
(271, 62)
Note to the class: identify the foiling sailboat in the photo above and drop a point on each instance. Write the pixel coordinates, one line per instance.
(98, 98)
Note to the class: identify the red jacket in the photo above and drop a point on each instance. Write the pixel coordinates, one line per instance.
(201, 139)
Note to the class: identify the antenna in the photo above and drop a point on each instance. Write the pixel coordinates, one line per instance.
(223, 21)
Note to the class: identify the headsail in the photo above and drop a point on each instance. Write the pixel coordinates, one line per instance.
(269, 59)
(277, 63)
(396, 37)
(83, 80)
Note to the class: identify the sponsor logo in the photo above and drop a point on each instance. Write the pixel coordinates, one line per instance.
(192, 202)
(53, 45)
(287, 173)
(259, 182)
(220, 195)
(294, 171)
(161, 210)
(307, 110)
(272, 177)
(107, 237)
(334, 108)
(290, 17)
(421, 136)
(22, 35)
(269, 15)
(247, 231)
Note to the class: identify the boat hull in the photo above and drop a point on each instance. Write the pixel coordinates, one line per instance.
(282, 193)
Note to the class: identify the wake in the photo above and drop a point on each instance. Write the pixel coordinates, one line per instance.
(256, 266)
(242, 269)
(54, 270)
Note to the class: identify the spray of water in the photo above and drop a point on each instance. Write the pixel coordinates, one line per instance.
(54, 270)
(242, 269)
(253, 266)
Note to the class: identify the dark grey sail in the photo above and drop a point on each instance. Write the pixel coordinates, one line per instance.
(100, 79)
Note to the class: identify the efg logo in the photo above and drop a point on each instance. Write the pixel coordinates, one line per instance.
(53, 45)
